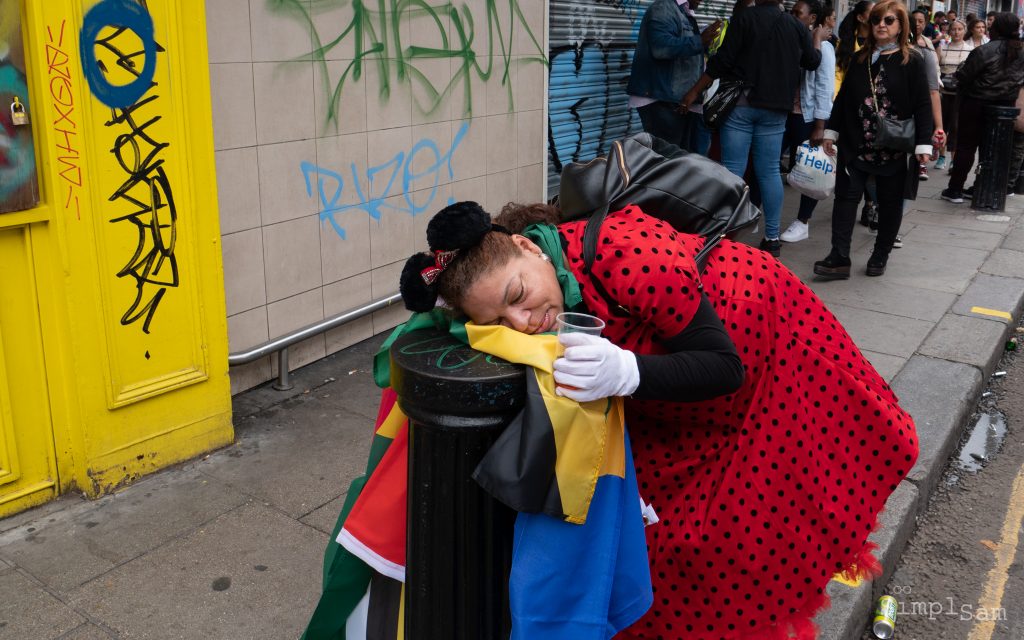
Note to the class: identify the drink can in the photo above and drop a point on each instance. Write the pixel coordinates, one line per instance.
(884, 625)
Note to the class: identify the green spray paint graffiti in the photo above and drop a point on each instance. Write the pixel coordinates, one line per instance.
(373, 37)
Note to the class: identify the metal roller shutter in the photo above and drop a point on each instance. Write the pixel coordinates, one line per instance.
(591, 50)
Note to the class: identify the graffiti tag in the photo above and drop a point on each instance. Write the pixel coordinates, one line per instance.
(146, 189)
(65, 127)
(375, 36)
(396, 176)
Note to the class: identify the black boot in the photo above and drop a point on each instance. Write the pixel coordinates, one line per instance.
(876, 264)
(774, 247)
(833, 267)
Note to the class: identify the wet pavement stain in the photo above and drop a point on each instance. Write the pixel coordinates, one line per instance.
(222, 583)
(986, 438)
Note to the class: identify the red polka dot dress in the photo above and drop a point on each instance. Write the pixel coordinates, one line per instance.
(763, 494)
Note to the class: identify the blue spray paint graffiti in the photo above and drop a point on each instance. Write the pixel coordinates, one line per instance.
(591, 51)
(588, 105)
(122, 15)
(394, 177)
(145, 199)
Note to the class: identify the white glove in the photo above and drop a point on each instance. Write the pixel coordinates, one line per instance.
(595, 367)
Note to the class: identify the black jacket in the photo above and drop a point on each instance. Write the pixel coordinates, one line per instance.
(907, 88)
(766, 48)
(985, 76)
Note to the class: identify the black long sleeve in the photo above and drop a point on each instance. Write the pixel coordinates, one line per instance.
(702, 363)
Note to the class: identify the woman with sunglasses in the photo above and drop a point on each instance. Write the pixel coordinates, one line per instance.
(886, 78)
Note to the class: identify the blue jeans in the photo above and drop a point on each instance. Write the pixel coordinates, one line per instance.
(755, 132)
(702, 137)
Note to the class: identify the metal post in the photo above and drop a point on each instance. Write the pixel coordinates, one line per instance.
(284, 378)
(459, 539)
(994, 159)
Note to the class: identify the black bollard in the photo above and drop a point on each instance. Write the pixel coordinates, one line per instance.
(994, 155)
(459, 539)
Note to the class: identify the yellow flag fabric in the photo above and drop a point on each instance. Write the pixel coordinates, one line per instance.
(589, 437)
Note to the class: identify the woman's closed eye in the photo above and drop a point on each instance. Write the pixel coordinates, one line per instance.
(521, 295)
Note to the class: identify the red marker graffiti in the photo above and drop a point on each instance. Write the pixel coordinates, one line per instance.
(65, 127)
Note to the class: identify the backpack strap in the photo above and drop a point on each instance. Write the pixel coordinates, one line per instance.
(591, 233)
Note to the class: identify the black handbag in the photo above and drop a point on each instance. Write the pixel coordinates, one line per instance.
(718, 107)
(687, 190)
(891, 133)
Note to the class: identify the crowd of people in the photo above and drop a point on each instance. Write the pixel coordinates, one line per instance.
(805, 79)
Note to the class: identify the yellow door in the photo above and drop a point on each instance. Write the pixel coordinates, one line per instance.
(28, 472)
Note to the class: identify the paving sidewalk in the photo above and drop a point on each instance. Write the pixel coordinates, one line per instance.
(230, 545)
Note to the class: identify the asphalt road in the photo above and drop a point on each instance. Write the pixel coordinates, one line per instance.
(961, 576)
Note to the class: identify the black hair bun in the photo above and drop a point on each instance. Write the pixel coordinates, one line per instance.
(458, 226)
(416, 293)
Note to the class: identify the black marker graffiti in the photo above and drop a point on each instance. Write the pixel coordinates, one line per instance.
(146, 189)
(153, 265)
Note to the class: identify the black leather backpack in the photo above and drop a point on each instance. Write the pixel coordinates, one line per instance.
(692, 193)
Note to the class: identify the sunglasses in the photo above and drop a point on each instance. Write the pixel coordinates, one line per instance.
(889, 20)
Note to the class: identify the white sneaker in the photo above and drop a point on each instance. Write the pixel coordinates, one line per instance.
(796, 232)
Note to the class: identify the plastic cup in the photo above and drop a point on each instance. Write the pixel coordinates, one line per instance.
(570, 322)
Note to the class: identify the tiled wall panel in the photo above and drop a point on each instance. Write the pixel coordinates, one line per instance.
(332, 152)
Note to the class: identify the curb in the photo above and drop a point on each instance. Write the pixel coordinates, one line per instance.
(939, 386)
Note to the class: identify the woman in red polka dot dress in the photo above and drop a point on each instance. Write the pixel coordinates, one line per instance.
(762, 437)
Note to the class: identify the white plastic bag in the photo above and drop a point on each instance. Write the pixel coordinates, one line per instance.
(814, 172)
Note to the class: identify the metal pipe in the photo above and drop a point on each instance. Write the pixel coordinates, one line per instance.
(285, 341)
(284, 379)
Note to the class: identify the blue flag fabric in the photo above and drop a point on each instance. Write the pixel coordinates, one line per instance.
(582, 582)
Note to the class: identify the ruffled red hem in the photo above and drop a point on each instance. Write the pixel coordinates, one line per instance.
(800, 626)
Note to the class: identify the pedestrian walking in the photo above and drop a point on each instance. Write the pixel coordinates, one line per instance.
(931, 74)
(978, 32)
(885, 83)
(951, 56)
(668, 61)
(764, 48)
(991, 76)
(812, 109)
(853, 33)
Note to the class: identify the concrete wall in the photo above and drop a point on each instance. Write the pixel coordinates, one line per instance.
(340, 127)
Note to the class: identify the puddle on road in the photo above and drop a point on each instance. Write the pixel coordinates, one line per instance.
(986, 437)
